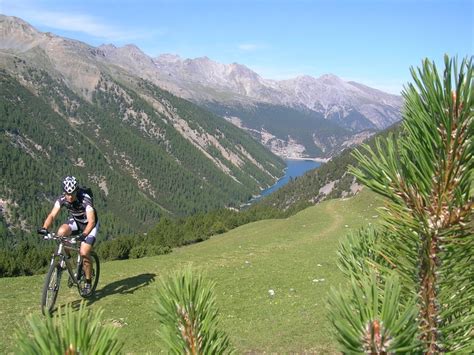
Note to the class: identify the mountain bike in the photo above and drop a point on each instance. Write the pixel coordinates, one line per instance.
(72, 262)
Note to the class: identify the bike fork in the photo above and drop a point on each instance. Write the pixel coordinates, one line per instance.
(79, 271)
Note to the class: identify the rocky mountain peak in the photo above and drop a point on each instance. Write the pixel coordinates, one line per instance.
(132, 48)
(303, 78)
(353, 105)
(18, 35)
(168, 58)
(130, 58)
(330, 79)
(16, 24)
(323, 82)
(242, 70)
(205, 65)
(129, 50)
(109, 47)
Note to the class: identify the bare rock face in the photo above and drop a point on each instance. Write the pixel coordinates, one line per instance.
(74, 59)
(336, 98)
(328, 94)
(208, 80)
(130, 58)
(18, 35)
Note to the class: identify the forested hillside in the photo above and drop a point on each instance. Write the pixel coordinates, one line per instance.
(120, 144)
(165, 172)
(309, 131)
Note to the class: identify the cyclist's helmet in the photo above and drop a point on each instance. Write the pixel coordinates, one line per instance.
(70, 184)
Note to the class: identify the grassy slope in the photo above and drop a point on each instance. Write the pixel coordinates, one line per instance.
(284, 255)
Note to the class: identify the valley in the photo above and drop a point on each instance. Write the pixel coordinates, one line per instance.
(135, 129)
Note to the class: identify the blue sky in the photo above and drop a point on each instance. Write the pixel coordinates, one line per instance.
(370, 41)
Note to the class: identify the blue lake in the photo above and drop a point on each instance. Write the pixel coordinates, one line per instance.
(294, 169)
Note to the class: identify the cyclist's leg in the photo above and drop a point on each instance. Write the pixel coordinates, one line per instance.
(67, 228)
(86, 248)
(85, 251)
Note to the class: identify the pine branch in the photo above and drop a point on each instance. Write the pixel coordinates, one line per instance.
(69, 332)
(188, 316)
(371, 318)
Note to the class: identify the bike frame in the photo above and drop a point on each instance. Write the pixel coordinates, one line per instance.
(67, 243)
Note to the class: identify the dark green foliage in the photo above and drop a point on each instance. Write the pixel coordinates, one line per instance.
(357, 251)
(286, 122)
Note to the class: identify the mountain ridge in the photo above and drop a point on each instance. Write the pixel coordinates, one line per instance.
(351, 106)
(319, 94)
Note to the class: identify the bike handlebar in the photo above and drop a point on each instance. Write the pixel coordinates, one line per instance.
(54, 236)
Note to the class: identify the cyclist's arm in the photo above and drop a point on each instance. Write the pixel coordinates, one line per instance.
(52, 215)
(90, 221)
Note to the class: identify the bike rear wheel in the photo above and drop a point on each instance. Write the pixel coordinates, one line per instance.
(51, 287)
(95, 264)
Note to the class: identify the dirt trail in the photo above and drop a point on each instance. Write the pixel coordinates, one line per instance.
(336, 215)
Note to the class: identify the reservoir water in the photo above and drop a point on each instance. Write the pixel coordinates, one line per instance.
(294, 168)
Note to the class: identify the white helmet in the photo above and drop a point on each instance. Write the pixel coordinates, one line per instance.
(70, 184)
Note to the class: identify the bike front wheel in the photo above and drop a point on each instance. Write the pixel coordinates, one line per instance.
(95, 273)
(51, 287)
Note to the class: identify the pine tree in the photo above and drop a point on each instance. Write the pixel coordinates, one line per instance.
(416, 269)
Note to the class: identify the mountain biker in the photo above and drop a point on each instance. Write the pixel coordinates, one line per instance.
(82, 221)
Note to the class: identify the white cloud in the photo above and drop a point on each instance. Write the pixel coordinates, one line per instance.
(74, 22)
(80, 23)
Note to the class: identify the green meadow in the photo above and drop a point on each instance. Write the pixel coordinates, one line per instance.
(272, 281)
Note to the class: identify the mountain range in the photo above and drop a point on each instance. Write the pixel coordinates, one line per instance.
(328, 94)
(321, 116)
